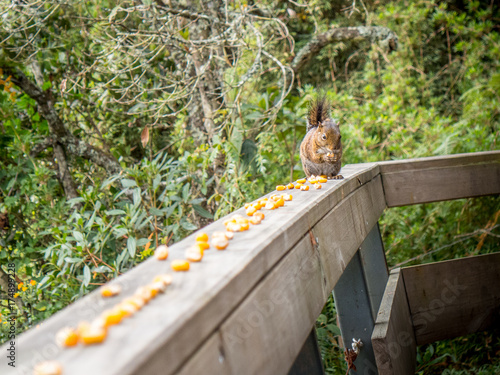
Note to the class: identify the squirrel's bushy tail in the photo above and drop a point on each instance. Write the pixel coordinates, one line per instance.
(319, 111)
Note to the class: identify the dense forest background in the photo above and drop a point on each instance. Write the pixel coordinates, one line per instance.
(126, 124)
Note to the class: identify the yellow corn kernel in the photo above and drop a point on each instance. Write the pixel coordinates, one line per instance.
(280, 187)
(135, 301)
(245, 226)
(312, 180)
(304, 187)
(228, 221)
(48, 368)
(157, 287)
(93, 335)
(270, 205)
(274, 197)
(246, 205)
(165, 279)
(255, 220)
(259, 215)
(287, 197)
(202, 245)
(161, 252)
(322, 180)
(110, 290)
(298, 186)
(194, 254)
(67, 337)
(127, 309)
(112, 317)
(280, 202)
(323, 176)
(290, 185)
(301, 181)
(180, 265)
(202, 237)
(251, 210)
(233, 227)
(317, 186)
(220, 243)
(144, 293)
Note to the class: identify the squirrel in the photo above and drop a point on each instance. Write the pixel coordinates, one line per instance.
(321, 148)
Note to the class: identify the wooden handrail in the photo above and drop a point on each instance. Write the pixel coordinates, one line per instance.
(247, 309)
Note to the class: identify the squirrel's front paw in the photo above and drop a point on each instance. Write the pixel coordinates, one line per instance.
(337, 177)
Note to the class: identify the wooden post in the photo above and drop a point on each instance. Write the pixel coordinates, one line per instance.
(308, 362)
(357, 298)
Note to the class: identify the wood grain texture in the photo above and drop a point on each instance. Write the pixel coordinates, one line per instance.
(393, 339)
(164, 335)
(276, 317)
(434, 179)
(454, 297)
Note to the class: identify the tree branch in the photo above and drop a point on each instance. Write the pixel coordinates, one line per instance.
(372, 33)
(4, 284)
(56, 126)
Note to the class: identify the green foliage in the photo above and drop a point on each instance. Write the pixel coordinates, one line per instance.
(439, 93)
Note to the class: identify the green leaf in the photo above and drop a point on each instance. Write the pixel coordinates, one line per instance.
(78, 236)
(86, 275)
(156, 212)
(126, 183)
(202, 212)
(184, 33)
(131, 246)
(188, 226)
(115, 212)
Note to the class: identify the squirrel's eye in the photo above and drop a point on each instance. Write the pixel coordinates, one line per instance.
(323, 136)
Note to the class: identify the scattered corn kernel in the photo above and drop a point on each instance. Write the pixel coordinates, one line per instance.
(255, 220)
(270, 205)
(161, 252)
(48, 368)
(287, 197)
(312, 176)
(280, 202)
(157, 287)
(202, 245)
(220, 243)
(180, 265)
(280, 187)
(301, 180)
(67, 337)
(111, 290)
(127, 309)
(251, 210)
(194, 254)
(247, 205)
(312, 180)
(202, 237)
(166, 279)
(93, 335)
(259, 215)
(322, 180)
(233, 227)
(145, 294)
(317, 186)
(112, 317)
(274, 197)
(298, 186)
(304, 187)
(135, 301)
(290, 185)
(323, 176)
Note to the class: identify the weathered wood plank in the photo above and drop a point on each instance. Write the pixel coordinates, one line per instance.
(393, 338)
(454, 297)
(285, 304)
(434, 179)
(177, 323)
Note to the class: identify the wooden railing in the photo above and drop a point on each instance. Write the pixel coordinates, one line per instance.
(250, 309)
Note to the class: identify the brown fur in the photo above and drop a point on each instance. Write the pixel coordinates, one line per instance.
(321, 148)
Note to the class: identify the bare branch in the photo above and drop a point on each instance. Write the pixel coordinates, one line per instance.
(373, 33)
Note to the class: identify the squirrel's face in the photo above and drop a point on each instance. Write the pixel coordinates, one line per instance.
(328, 141)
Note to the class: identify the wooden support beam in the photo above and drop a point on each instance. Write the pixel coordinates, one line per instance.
(309, 361)
(440, 178)
(355, 317)
(393, 339)
(454, 297)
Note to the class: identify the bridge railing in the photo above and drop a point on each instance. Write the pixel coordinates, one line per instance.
(250, 308)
